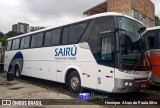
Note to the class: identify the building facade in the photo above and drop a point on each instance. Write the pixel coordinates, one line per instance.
(142, 10)
(20, 27)
(32, 28)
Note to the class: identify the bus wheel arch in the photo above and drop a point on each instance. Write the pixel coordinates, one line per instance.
(67, 74)
(73, 74)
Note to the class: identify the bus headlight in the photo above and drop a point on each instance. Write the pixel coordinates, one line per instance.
(126, 83)
(130, 84)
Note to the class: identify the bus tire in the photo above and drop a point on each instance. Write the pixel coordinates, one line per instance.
(9, 76)
(74, 82)
(17, 72)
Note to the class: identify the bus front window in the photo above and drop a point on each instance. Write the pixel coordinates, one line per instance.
(132, 49)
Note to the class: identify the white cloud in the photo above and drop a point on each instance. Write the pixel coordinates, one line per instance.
(9, 2)
(41, 12)
(45, 12)
(157, 6)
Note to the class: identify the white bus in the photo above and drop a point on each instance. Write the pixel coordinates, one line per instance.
(102, 52)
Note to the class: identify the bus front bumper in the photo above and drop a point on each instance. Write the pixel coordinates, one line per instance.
(125, 85)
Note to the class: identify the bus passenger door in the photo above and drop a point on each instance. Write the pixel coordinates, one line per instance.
(105, 76)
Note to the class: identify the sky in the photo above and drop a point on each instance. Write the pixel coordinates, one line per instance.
(46, 12)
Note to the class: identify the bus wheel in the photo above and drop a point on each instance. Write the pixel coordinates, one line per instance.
(18, 72)
(74, 82)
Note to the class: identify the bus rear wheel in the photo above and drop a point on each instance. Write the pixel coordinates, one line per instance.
(74, 82)
(18, 72)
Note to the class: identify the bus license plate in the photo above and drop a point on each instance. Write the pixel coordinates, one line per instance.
(143, 85)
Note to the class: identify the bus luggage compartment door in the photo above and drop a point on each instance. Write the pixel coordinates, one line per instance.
(59, 71)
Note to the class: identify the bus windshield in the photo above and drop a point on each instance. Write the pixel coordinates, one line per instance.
(132, 49)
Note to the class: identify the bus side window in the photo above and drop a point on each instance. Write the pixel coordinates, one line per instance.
(65, 35)
(103, 24)
(88, 31)
(27, 42)
(76, 32)
(9, 43)
(15, 44)
(33, 41)
(55, 37)
(48, 37)
(39, 40)
(22, 43)
(151, 39)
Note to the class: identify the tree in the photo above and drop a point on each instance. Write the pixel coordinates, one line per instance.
(1, 34)
(12, 34)
(3, 38)
(157, 21)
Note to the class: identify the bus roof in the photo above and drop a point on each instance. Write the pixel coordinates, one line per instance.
(153, 28)
(83, 19)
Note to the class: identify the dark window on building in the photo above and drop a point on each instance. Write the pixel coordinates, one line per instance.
(48, 37)
(55, 37)
(151, 39)
(39, 40)
(65, 35)
(75, 32)
(9, 45)
(33, 42)
(27, 42)
(103, 24)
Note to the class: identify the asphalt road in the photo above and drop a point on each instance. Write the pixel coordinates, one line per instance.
(32, 88)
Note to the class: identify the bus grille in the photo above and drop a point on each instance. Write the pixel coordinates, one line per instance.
(141, 79)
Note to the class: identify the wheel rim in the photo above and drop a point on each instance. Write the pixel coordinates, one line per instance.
(75, 82)
(17, 72)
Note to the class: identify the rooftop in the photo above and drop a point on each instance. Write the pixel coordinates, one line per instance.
(100, 8)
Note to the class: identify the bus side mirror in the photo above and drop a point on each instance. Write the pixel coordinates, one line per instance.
(122, 39)
(122, 36)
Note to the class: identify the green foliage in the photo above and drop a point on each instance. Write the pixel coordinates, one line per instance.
(3, 38)
(1, 34)
(12, 34)
(157, 21)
